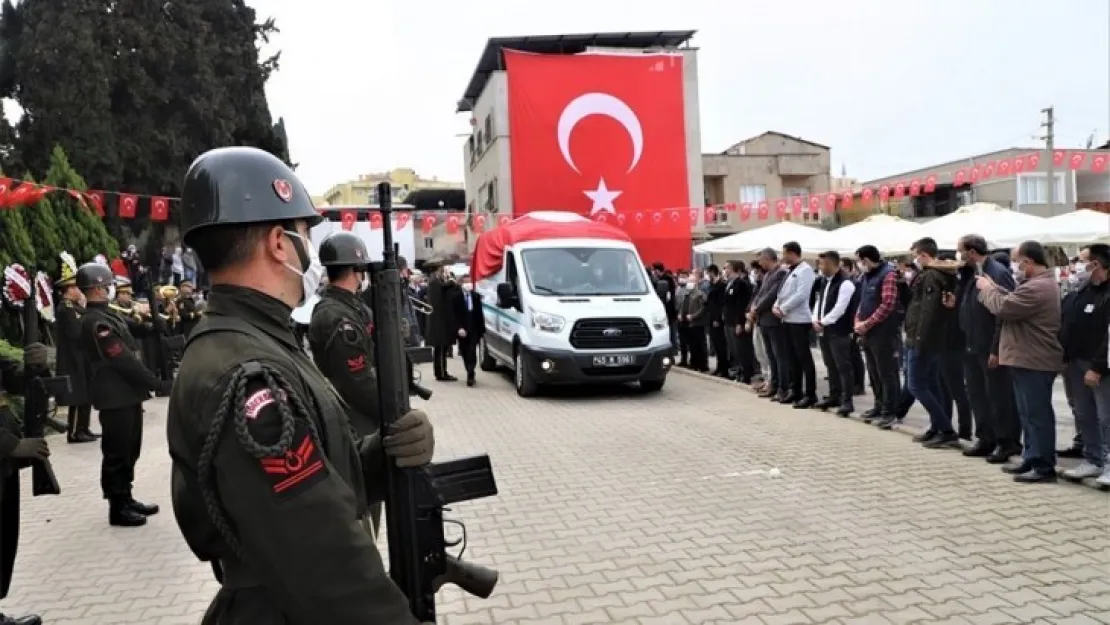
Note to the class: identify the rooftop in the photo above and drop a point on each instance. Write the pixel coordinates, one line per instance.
(492, 59)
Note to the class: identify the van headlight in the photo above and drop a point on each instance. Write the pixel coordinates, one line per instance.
(659, 321)
(547, 322)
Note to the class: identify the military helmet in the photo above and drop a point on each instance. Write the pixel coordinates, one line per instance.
(241, 185)
(94, 275)
(343, 249)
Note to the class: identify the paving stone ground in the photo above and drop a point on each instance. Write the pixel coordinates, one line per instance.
(618, 507)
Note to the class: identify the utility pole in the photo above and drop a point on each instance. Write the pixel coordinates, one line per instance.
(1049, 137)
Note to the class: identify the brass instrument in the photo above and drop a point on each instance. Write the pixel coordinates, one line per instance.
(133, 313)
(420, 306)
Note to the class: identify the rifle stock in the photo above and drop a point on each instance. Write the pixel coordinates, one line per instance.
(36, 397)
(416, 498)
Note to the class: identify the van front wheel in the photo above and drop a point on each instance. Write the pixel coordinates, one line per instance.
(526, 385)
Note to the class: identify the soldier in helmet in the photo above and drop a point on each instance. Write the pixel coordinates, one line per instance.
(118, 386)
(270, 483)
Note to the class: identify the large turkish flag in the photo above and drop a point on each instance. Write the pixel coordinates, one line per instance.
(599, 133)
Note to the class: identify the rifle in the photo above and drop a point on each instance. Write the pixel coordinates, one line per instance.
(416, 498)
(36, 397)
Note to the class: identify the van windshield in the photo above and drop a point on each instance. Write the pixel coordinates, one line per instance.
(584, 271)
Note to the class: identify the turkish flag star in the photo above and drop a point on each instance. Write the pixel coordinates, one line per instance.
(602, 198)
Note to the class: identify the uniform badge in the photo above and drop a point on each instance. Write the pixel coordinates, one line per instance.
(354, 365)
(284, 190)
(300, 467)
(350, 334)
(257, 401)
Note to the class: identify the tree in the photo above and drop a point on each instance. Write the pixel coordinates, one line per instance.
(135, 90)
(15, 241)
(81, 231)
(42, 227)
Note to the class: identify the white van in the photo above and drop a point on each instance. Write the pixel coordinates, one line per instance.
(568, 301)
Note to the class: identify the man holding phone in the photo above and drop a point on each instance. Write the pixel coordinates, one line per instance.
(997, 429)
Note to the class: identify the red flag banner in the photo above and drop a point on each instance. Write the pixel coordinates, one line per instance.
(159, 208)
(796, 207)
(503, 219)
(745, 211)
(427, 224)
(128, 203)
(846, 199)
(453, 224)
(987, 171)
(900, 190)
(1099, 163)
(96, 198)
(347, 219)
(915, 187)
(1076, 161)
(479, 223)
(1058, 157)
(830, 203)
(780, 209)
(814, 204)
(375, 221)
(401, 219)
(763, 211)
(601, 133)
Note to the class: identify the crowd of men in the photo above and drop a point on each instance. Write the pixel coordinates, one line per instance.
(977, 338)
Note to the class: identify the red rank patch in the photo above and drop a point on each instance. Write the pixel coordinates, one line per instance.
(299, 468)
(354, 365)
(113, 349)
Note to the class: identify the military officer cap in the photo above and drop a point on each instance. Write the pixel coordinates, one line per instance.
(94, 275)
(123, 285)
(241, 186)
(69, 271)
(185, 283)
(343, 249)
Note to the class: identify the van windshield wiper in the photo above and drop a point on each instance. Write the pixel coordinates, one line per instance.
(548, 290)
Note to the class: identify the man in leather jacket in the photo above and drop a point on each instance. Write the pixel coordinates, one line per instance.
(270, 482)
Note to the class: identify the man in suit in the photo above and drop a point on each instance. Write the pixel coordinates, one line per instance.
(469, 324)
(738, 296)
(438, 332)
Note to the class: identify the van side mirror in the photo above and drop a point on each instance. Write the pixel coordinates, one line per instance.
(506, 297)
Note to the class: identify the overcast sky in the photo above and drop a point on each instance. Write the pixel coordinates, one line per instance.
(889, 85)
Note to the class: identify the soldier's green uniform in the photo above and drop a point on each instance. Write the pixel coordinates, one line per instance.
(270, 484)
(341, 336)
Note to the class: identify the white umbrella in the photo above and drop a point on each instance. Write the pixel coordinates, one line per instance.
(1001, 227)
(1082, 226)
(892, 235)
(812, 240)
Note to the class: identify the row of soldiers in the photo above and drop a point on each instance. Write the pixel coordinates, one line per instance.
(159, 328)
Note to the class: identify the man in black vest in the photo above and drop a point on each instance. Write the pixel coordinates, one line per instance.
(270, 484)
(833, 315)
(877, 326)
(738, 296)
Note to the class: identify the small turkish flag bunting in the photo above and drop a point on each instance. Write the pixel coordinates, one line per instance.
(453, 224)
(402, 220)
(867, 196)
(710, 214)
(1032, 161)
(1076, 161)
(796, 206)
(602, 217)
(675, 216)
(1019, 165)
(427, 224)
(973, 174)
(694, 215)
(814, 204)
(960, 178)
(1003, 167)
(780, 208)
(504, 219)
(159, 208)
(1058, 157)
(480, 223)
(900, 190)
(731, 207)
(847, 197)
(347, 219)
(830, 202)
(656, 218)
(763, 211)
(621, 218)
(930, 183)
(1099, 162)
(884, 192)
(375, 220)
(915, 187)
(127, 205)
(639, 217)
(986, 171)
(745, 211)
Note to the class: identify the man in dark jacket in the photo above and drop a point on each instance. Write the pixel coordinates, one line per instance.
(665, 287)
(997, 429)
(770, 326)
(834, 310)
(877, 326)
(927, 320)
(714, 311)
(738, 296)
(438, 334)
(70, 358)
(1085, 318)
(693, 315)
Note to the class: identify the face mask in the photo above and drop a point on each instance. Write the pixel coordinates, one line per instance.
(468, 287)
(111, 293)
(310, 275)
(1080, 268)
(690, 286)
(908, 275)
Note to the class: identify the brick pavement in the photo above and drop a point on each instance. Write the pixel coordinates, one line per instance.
(622, 508)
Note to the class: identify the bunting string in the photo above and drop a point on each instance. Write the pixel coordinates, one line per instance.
(14, 194)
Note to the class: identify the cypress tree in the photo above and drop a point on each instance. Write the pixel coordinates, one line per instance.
(42, 227)
(81, 231)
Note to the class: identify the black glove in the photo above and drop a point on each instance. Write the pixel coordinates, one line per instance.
(410, 441)
(35, 355)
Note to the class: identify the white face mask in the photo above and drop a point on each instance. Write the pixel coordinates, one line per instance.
(468, 287)
(311, 276)
(111, 293)
(690, 286)
(1080, 268)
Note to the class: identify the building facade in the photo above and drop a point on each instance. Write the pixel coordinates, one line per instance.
(767, 167)
(402, 181)
(1026, 192)
(487, 152)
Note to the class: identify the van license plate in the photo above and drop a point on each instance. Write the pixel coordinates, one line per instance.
(614, 360)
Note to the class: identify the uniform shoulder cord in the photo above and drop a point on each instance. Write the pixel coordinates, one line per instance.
(233, 405)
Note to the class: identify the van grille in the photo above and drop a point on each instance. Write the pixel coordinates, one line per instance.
(610, 333)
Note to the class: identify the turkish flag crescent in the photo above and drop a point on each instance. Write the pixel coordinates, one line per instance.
(159, 208)
(127, 205)
(347, 220)
(594, 132)
(96, 198)
(427, 223)
(401, 219)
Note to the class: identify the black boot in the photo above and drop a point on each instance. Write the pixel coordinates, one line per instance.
(30, 619)
(145, 509)
(121, 514)
(77, 437)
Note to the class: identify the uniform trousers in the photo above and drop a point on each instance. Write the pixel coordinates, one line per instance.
(121, 441)
(79, 418)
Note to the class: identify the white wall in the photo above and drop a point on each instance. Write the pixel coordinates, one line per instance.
(496, 160)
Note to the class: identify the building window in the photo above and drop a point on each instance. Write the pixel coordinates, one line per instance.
(721, 218)
(1033, 188)
(489, 128)
(795, 191)
(429, 243)
(753, 193)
